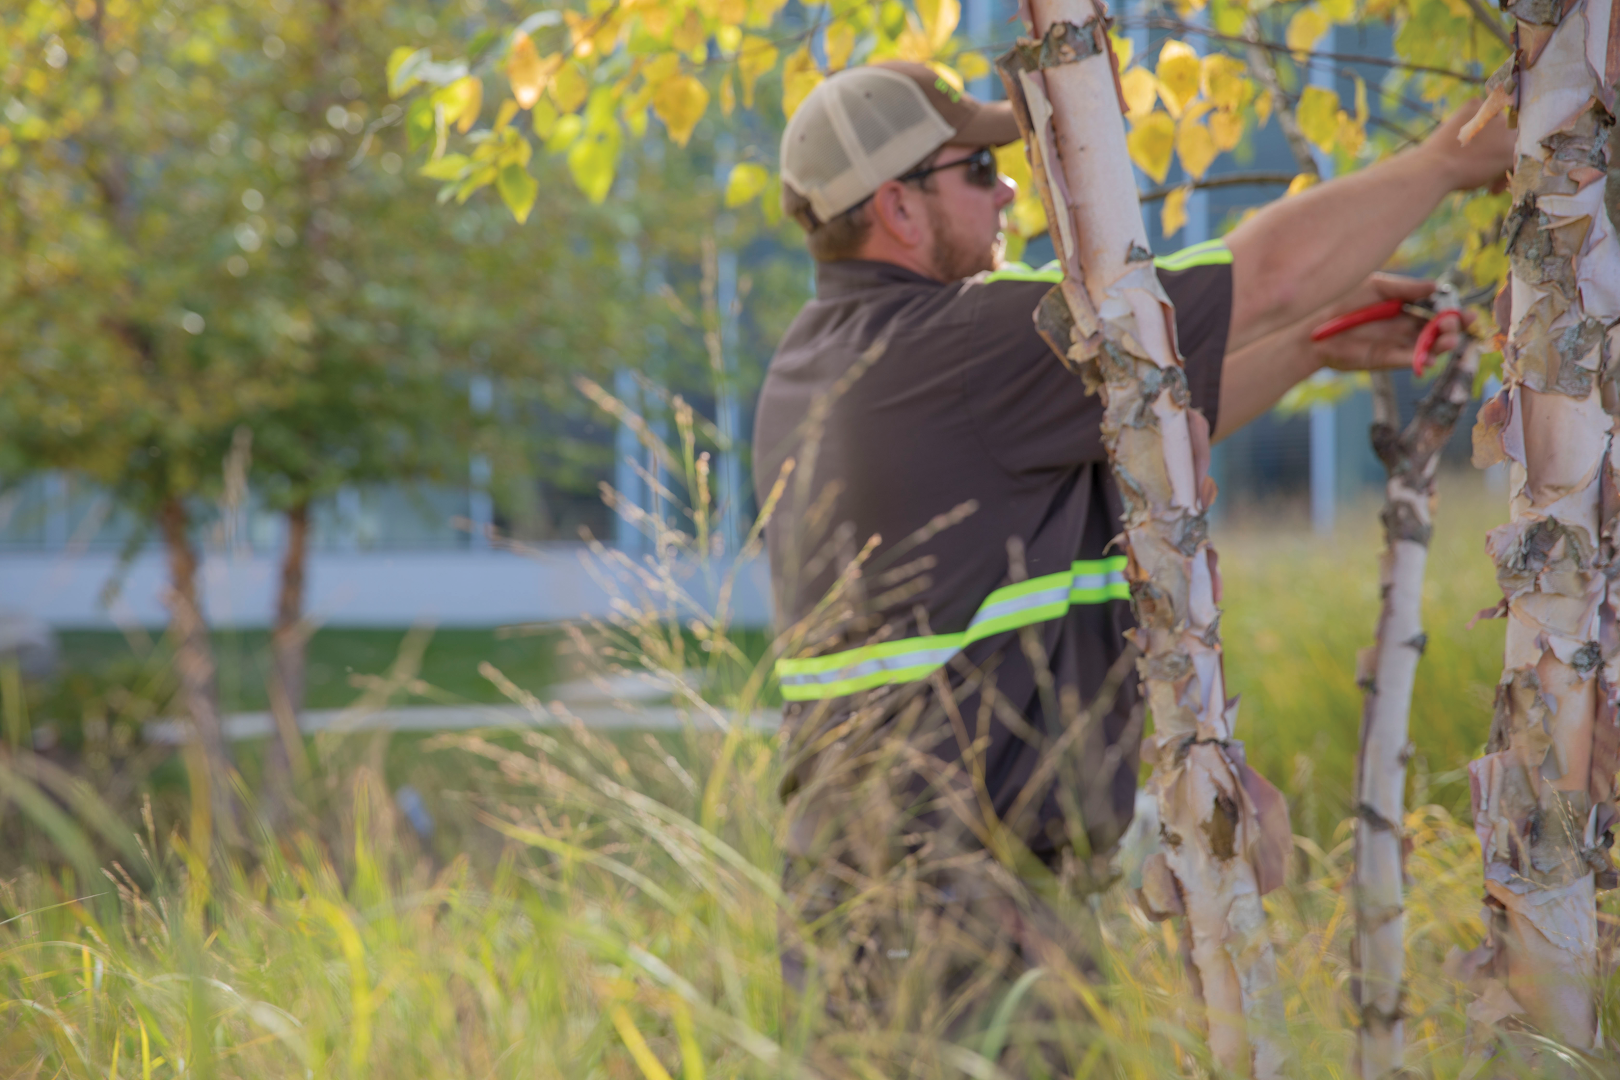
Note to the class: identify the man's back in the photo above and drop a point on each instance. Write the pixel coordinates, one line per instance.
(932, 423)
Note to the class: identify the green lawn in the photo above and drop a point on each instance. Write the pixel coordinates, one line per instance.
(337, 656)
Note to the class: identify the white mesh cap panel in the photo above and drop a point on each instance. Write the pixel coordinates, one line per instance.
(856, 130)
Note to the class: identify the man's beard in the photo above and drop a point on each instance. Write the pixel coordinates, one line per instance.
(955, 258)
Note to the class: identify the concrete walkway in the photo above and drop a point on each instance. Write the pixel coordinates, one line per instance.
(621, 703)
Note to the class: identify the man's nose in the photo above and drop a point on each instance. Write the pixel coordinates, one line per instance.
(1006, 192)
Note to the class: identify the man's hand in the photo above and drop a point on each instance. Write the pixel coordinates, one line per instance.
(1379, 346)
(1484, 162)
(1306, 250)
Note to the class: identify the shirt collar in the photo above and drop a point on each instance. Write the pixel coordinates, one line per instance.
(847, 276)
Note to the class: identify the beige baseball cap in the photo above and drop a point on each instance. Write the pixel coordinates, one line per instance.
(866, 125)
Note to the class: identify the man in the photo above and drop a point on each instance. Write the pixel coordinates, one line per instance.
(946, 752)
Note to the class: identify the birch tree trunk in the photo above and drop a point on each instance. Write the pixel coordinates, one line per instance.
(194, 665)
(1543, 794)
(286, 764)
(1388, 671)
(1111, 319)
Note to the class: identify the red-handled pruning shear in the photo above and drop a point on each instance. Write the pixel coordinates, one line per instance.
(1441, 312)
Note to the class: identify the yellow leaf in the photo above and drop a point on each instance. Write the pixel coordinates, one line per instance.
(570, 86)
(1318, 116)
(1352, 136)
(1225, 81)
(1178, 71)
(746, 181)
(1151, 143)
(526, 71)
(1173, 214)
(1361, 100)
(1124, 48)
(1299, 184)
(939, 19)
(1226, 128)
(1262, 110)
(1196, 148)
(732, 12)
(663, 66)
(972, 65)
(689, 35)
(755, 56)
(799, 77)
(728, 96)
(1027, 216)
(1306, 28)
(509, 109)
(462, 101)
(1343, 11)
(728, 38)
(1013, 163)
(1141, 90)
(840, 44)
(680, 104)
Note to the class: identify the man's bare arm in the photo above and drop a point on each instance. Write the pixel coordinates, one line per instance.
(1255, 377)
(1305, 251)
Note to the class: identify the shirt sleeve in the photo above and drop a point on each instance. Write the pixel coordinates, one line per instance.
(1032, 412)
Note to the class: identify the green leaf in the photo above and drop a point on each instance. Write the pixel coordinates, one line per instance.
(564, 132)
(401, 79)
(593, 158)
(518, 190)
(449, 167)
(419, 123)
(746, 181)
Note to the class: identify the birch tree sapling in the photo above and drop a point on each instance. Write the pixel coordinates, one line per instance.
(1225, 830)
(1388, 672)
(1544, 792)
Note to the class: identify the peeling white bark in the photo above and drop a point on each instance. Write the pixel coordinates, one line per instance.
(1544, 792)
(1388, 673)
(1224, 829)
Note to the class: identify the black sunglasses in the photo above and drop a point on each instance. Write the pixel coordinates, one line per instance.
(981, 169)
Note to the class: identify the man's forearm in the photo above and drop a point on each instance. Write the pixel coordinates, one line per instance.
(1255, 377)
(1308, 250)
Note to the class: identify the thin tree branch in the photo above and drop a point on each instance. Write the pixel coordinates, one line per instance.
(1232, 179)
(1163, 22)
(1491, 23)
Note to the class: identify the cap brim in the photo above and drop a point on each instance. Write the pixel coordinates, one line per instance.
(993, 124)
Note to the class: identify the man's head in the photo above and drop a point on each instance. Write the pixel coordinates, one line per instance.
(888, 162)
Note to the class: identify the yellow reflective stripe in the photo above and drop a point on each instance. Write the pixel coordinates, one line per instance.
(1051, 273)
(1011, 607)
(1209, 253)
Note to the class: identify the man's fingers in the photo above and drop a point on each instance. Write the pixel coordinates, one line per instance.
(1395, 287)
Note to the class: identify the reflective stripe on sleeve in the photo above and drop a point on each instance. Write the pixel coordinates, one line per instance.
(890, 663)
(1209, 253)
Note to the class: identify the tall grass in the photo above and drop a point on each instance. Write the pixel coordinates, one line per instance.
(610, 908)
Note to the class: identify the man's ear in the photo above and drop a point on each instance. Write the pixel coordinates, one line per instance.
(898, 214)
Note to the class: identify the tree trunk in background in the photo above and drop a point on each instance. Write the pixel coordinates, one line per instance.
(1543, 794)
(1388, 671)
(286, 764)
(194, 665)
(1112, 320)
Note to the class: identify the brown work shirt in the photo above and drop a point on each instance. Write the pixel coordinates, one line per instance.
(931, 424)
